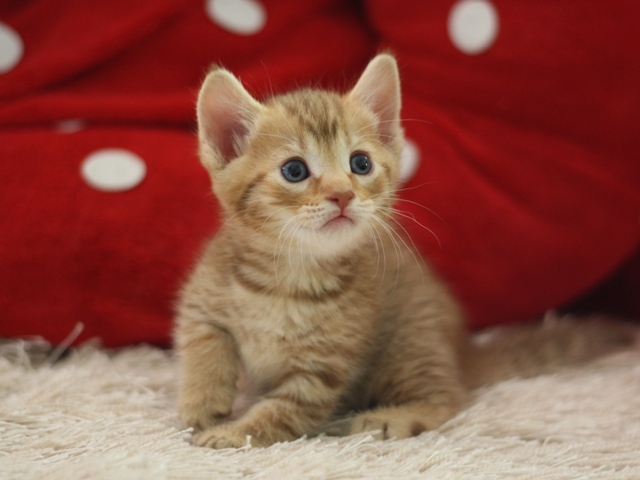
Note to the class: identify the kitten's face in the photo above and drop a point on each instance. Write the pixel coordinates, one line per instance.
(311, 171)
(315, 172)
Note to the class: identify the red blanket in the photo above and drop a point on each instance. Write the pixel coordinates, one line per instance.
(522, 117)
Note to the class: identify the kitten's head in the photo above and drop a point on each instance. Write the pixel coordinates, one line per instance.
(312, 168)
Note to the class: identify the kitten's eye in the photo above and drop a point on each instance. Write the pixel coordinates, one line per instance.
(295, 170)
(360, 164)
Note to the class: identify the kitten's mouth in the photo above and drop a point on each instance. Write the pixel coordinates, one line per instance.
(337, 223)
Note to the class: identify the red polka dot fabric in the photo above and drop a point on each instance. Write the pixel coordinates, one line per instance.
(521, 168)
(529, 144)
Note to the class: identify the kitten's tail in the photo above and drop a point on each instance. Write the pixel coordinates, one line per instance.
(535, 349)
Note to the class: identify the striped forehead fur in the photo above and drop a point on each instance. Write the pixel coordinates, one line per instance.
(317, 113)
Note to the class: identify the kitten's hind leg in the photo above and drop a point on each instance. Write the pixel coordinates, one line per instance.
(421, 394)
(403, 414)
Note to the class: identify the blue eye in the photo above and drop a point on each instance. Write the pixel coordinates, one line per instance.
(360, 164)
(295, 170)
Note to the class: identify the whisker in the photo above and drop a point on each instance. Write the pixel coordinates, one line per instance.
(272, 214)
(404, 200)
(375, 244)
(400, 121)
(377, 239)
(291, 238)
(418, 259)
(266, 70)
(302, 264)
(262, 134)
(388, 229)
(284, 117)
(315, 260)
(227, 221)
(376, 135)
(396, 199)
(406, 189)
(413, 219)
(382, 144)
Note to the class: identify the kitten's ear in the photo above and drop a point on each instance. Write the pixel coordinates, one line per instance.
(379, 89)
(226, 116)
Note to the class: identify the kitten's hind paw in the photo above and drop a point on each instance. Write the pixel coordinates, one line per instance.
(402, 421)
(340, 427)
(383, 426)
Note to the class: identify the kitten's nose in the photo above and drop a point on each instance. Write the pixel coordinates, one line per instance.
(341, 199)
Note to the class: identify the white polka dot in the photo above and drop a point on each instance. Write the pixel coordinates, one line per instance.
(409, 161)
(473, 26)
(11, 48)
(70, 126)
(243, 17)
(113, 170)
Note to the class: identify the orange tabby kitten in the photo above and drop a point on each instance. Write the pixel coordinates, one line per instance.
(308, 304)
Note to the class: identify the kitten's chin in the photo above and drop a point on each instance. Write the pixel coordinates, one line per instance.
(337, 236)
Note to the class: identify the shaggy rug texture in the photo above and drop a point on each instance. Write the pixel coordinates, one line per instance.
(98, 414)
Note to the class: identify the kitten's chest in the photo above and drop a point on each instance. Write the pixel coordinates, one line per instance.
(276, 335)
(288, 317)
(266, 355)
(259, 321)
(263, 318)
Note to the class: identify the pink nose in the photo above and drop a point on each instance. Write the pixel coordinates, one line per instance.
(341, 199)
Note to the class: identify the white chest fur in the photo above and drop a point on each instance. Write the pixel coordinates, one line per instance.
(273, 333)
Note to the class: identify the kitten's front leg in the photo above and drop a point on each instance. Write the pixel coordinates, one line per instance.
(299, 405)
(208, 362)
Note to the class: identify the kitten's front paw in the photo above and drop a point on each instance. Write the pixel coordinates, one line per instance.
(201, 413)
(223, 436)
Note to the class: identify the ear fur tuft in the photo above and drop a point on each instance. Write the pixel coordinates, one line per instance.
(379, 89)
(226, 116)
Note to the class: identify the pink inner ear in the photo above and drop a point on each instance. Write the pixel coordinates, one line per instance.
(225, 114)
(228, 132)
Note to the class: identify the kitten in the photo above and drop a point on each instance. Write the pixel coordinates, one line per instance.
(309, 304)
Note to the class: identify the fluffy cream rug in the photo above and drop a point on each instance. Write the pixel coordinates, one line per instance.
(110, 415)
